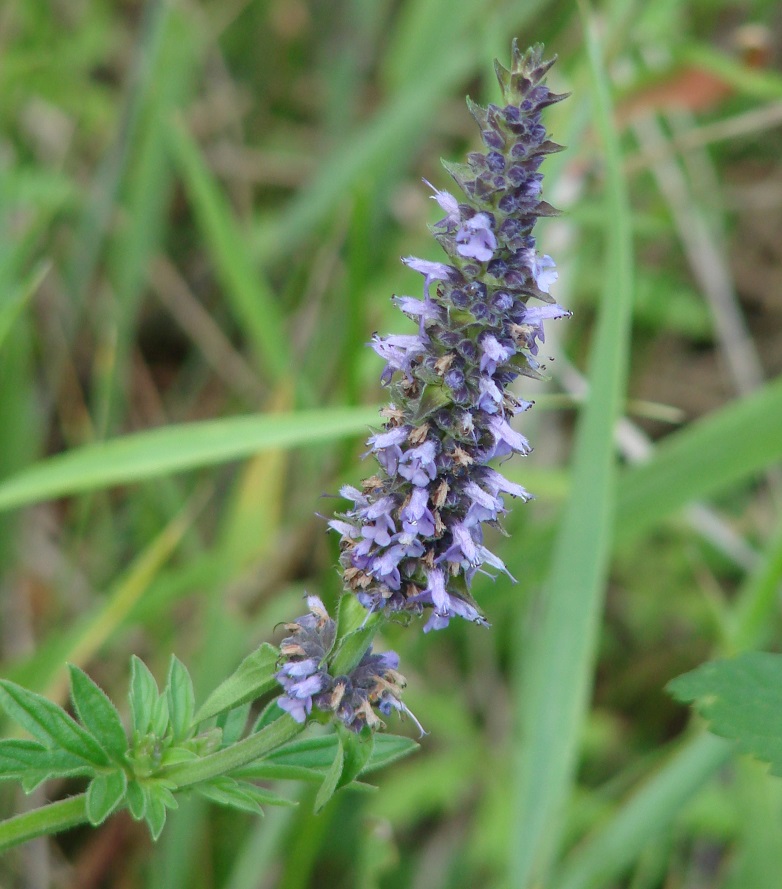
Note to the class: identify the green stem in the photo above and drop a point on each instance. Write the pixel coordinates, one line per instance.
(46, 820)
(239, 754)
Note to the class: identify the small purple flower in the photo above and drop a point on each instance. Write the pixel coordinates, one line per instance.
(494, 353)
(447, 202)
(416, 516)
(399, 352)
(307, 681)
(543, 272)
(476, 239)
(418, 464)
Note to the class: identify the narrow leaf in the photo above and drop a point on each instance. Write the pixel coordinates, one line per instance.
(310, 752)
(97, 713)
(266, 797)
(252, 678)
(181, 699)
(270, 771)
(104, 795)
(388, 749)
(233, 724)
(18, 756)
(137, 800)
(357, 749)
(143, 696)
(556, 668)
(227, 792)
(49, 723)
(154, 813)
(159, 721)
(176, 448)
(331, 781)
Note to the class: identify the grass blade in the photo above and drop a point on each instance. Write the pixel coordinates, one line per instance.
(555, 677)
(157, 452)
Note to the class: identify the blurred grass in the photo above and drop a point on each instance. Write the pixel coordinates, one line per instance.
(203, 206)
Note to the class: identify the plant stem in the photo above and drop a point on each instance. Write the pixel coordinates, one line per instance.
(239, 754)
(46, 820)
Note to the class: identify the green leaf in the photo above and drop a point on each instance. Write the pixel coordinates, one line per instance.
(741, 699)
(357, 749)
(49, 724)
(143, 695)
(270, 771)
(266, 797)
(267, 716)
(232, 724)
(137, 800)
(252, 678)
(314, 753)
(353, 644)
(14, 302)
(227, 792)
(159, 720)
(702, 459)
(331, 781)
(388, 749)
(20, 756)
(104, 795)
(97, 713)
(181, 700)
(176, 448)
(552, 712)
(307, 760)
(155, 812)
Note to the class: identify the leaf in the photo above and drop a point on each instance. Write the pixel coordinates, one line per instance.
(155, 812)
(181, 700)
(97, 713)
(267, 716)
(741, 699)
(315, 753)
(704, 458)
(355, 632)
(388, 749)
(104, 795)
(266, 797)
(227, 792)
(20, 756)
(31, 763)
(49, 723)
(351, 649)
(357, 749)
(137, 800)
(552, 713)
(159, 721)
(176, 448)
(270, 771)
(252, 678)
(233, 723)
(331, 781)
(143, 696)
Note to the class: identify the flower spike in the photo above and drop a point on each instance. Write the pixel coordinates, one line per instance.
(414, 535)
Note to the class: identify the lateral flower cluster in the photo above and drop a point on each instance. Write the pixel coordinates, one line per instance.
(374, 684)
(414, 536)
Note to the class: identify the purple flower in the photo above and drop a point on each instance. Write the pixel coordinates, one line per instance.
(447, 202)
(475, 238)
(307, 681)
(417, 464)
(422, 544)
